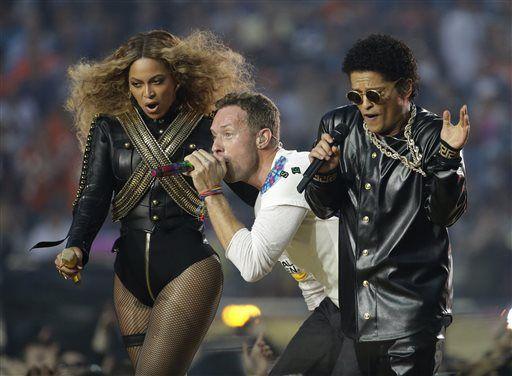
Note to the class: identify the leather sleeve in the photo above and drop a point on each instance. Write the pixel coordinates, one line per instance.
(95, 191)
(324, 198)
(446, 186)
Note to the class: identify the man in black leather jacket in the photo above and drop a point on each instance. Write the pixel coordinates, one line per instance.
(396, 181)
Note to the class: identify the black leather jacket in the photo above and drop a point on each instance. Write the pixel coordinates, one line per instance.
(112, 160)
(395, 256)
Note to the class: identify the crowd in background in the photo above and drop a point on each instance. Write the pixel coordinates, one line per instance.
(464, 53)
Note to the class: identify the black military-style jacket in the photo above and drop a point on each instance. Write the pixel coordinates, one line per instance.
(111, 161)
(395, 256)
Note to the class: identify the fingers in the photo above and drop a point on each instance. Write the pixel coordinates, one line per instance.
(323, 150)
(446, 118)
(201, 158)
(465, 116)
(192, 161)
(462, 115)
(65, 271)
(327, 137)
(78, 252)
(212, 161)
(208, 171)
(196, 161)
(259, 340)
(263, 348)
(465, 123)
(325, 144)
(207, 156)
(58, 261)
(68, 271)
(266, 351)
(223, 165)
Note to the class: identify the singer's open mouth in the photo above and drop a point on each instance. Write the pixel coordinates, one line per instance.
(152, 107)
(370, 117)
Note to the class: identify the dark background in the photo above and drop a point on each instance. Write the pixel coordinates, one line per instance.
(464, 54)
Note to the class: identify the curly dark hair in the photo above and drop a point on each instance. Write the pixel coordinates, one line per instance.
(204, 67)
(390, 57)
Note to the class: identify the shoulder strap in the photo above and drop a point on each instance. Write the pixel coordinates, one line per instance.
(154, 155)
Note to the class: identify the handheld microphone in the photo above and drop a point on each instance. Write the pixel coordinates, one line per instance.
(172, 169)
(70, 260)
(338, 134)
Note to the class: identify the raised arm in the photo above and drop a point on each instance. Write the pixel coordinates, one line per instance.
(254, 252)
(323, 193)
(447, 195)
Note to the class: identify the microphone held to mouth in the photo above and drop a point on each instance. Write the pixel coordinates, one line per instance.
(172, 169)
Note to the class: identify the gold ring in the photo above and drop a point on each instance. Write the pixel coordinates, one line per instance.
(62, 274)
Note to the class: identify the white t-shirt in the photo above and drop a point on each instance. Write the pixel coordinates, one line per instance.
(286, 230)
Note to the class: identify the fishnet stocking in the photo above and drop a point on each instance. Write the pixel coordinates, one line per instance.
(133, 316)
(180, 318)
(178, 321)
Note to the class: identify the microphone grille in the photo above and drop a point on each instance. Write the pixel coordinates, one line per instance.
(339, 133)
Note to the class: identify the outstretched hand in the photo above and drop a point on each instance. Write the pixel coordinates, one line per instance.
(208, 171)
(256, 361)
(456, 135)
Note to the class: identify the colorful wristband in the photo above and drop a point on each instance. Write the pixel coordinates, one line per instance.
(201, 209)
(210, 192)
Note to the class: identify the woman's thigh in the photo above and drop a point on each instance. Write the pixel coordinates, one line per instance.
(180, 318)
(133, 318)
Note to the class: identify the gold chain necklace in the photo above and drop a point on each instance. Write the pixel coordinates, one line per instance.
(415, 163)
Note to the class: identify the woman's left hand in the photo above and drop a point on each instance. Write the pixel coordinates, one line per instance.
(456, 135)
(208, 171)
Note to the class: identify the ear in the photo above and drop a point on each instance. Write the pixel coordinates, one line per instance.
(263, 139)
(406, 88)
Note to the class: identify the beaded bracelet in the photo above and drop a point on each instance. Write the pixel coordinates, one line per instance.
(201, 209)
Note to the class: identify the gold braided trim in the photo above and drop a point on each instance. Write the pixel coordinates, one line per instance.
(446, 151)
(85, 161)
(326, 178)
(155, 155)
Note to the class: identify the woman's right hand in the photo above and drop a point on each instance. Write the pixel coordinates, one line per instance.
(69, 270)
(324, 151)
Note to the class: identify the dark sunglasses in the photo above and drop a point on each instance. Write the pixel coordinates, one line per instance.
(374, 96)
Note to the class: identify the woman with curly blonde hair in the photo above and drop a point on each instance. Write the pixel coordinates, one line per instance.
(153, 96)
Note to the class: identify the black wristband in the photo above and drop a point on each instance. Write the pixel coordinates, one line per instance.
(327, 177)
(448, 152)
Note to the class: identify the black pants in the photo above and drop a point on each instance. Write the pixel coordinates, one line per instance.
(419, 354)
(315, 347)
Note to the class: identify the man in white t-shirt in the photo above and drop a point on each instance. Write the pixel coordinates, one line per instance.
(246, 148)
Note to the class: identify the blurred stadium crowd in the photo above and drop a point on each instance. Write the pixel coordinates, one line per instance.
(296, 47)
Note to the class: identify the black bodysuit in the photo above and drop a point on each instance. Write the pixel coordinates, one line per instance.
(159, 239)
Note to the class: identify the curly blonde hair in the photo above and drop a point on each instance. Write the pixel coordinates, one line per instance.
(201, 64)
